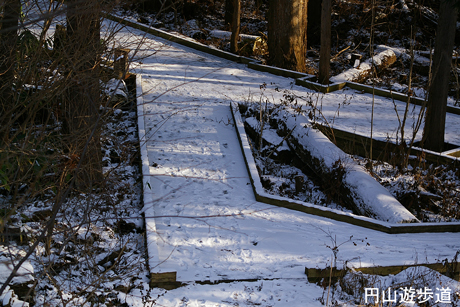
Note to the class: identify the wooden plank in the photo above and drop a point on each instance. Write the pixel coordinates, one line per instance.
(319, 87)
(307, 208)
(395, 95)
(166, 280)
(356, 144)
(451, 270)
(276, 71)
(177, 39)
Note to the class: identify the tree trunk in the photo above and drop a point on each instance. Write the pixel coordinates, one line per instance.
(8, 49)
(8, 39)
(287, 34)
(435, 121)
(314, 22)
(235, 26)
(325, 51)
(83, 92)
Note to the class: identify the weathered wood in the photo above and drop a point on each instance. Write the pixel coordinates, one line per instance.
(121, 63)
(166, 280)
(380, 61)
(276, 70)
(320, 87)
(235, 26)
(176, 39)
(314, 210)
(356, 144)
(435, 120)
(395, 95)
(315, 275)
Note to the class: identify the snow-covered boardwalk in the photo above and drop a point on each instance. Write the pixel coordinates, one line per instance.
(203, 221)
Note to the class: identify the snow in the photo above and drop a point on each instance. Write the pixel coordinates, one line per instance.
(369, 195)
(268, 135)
(354, 73)
(226, 35)
(25, 272)
(202, 218)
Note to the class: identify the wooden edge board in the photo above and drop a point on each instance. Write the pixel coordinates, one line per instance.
(451, 270)
(361, 143)
(300, 78)
(166, 280)
(330, 213)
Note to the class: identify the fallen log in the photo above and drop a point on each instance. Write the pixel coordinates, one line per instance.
(346, 182)
(380, 61)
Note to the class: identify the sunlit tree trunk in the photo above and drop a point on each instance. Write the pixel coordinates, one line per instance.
(287, 34)
(435, 121)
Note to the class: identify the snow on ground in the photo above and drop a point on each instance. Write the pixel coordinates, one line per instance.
(204, 221)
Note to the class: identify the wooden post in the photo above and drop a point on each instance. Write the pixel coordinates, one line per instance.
(235, 26)
(435, 120)
(121, 63)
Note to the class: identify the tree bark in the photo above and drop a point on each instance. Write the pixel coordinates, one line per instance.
(8, 49)
(435, 121)
(325, 51)
(235, 26)
(83, 92)
(287, 34)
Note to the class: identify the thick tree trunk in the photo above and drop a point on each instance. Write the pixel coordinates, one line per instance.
(83, 92)
(8, 39)
(435, 121)
(235, 26)
(287, 34)
(325, 52)
(8, 48)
